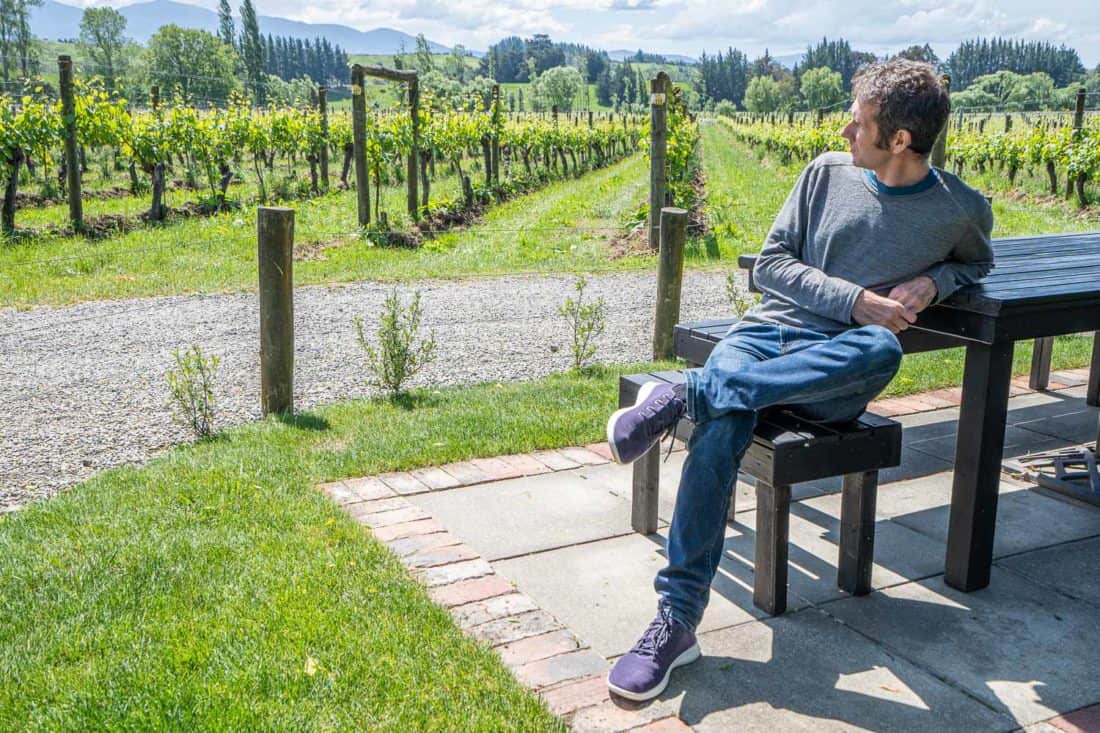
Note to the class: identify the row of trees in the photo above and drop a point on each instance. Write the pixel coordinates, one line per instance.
(980, 57)
(1013, 74)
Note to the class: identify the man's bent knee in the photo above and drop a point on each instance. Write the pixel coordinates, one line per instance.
(883, 347)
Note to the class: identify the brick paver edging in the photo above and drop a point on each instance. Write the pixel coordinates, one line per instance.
(541, 652)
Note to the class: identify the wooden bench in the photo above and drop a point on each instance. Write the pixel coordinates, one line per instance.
(786, 450)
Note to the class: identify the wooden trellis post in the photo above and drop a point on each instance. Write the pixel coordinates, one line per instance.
(410, 78)
(658, 143)
(72, 161)
(359, 144)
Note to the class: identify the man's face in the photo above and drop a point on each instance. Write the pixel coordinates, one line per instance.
(862, 136)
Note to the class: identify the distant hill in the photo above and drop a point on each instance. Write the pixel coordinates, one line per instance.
(622, 55)
(54, 20)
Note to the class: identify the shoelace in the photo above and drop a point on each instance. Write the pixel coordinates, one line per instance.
(664, 405)
(654, 637)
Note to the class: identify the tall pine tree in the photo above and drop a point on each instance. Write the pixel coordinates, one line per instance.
(252, 52)
(226, 30)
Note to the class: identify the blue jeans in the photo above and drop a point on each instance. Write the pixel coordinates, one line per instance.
(756, 366)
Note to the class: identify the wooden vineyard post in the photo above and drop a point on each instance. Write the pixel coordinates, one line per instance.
(670, 274)
(939, 148)
(72, 161)
(497, 124)
(413, 167)
(322, 108)
(414, 156)
(275, 230)
(658, 142)
(1078, 126)
(359, 143)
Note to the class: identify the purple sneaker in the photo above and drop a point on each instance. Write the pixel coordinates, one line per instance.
(632, 431)
(642, 673)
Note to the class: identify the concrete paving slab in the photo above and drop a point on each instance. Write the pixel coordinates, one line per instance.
(603, 590)
(805, 672)
(1026, 520)
(618, 479)
(1069, 568)
(530, 514)
(813, 551)
(1074, 424)
(1019, 647)
(1018, 441)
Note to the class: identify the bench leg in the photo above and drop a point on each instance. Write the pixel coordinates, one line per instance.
(773, 507)
(1092, 394)
(643, 506)
(857, 532)
(1040, 363)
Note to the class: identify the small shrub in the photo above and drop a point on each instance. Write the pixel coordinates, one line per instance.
(399, 355)
(191, 390)
(725, 108)
(587, 322)
(740, 300)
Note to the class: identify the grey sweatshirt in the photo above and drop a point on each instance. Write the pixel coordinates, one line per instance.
(839, 233)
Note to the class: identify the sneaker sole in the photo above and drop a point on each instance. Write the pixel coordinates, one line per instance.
(643, 394)
(686, 657)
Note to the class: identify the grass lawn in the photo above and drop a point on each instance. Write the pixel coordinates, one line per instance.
(193, 593)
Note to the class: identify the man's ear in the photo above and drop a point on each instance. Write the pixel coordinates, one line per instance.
(901, 141)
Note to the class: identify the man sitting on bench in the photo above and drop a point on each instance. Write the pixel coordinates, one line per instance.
(865, 241)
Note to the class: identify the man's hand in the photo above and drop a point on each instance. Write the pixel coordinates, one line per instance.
(871, 309)
(915, 294)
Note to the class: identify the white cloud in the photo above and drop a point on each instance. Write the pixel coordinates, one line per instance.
(690, 26)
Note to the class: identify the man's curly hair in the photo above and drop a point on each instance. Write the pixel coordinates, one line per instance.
(909, 96)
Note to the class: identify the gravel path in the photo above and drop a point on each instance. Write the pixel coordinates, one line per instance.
(83, 388)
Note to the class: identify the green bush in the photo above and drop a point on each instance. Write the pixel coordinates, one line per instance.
(400, 353)
(587, 322)
(191, 390)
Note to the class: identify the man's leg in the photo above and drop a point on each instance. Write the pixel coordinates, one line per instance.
(695, 543)
(754, 364)
(812, 368)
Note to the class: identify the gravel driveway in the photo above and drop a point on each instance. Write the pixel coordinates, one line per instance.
(83, 388)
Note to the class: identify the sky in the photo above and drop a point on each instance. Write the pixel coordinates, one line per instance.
(690, 27)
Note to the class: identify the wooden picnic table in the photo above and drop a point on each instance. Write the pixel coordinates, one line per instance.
(1042, 286)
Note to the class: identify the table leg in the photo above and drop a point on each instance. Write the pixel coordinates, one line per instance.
(978, 452)
(1092, 393)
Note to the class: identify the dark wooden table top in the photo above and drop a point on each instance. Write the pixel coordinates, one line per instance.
(1035, 271)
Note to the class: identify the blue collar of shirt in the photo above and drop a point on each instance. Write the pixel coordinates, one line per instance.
(922, 185)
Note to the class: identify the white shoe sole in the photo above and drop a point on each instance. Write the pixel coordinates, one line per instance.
(687, 657)
(643, 393)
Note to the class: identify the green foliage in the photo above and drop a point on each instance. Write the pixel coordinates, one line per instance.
(740, 300)
(587, 322)
(400, 353)
(102, 39)
(559, 87)
(252, 50)
(725, 108)
(191, 390)
(194, 62)
(822, 88)
(764, 94)
(983, 56)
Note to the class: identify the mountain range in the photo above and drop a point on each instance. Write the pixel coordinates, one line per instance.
(57, 21)
(60, 21)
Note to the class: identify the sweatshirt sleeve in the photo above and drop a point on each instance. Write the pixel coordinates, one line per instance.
(781, 272)
(969, 261)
